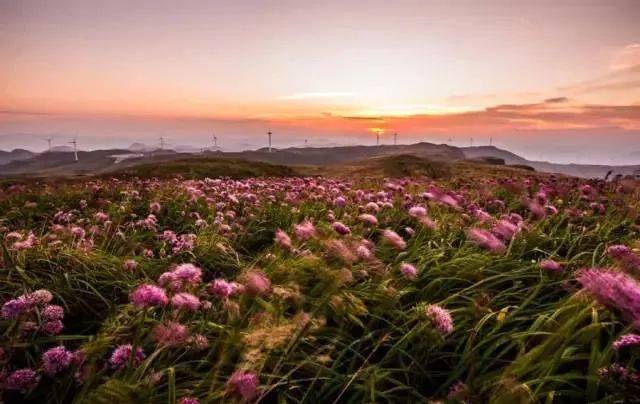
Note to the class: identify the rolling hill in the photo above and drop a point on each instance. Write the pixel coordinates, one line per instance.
(119, 160)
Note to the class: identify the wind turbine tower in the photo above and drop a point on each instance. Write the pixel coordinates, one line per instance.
(395, 139)
(75, 148)
(269, 134)
(161, 143)
(49, 139)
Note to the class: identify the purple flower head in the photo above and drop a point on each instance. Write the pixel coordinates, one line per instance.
(550, 265)
(243, 384)
(340, 202)
(22, 380)
(627, 340)
(220, 288)
(189, 400)
(188, 273)
(364, 253)
(417, 211)
(283, 239)
(52, 312)
(305, 230)
(122, 355)
(185, 301)
(486, 240)
(257, 283)
(129, 265)
(39, 297)
(55, 360)
(171, 334)
(613, 289)
(13, 308)
(625, 257)
(146, 295)
(340, 228)
(368, 218)
(440, 318)
(408, 271)
(394, 239)
(53, 327)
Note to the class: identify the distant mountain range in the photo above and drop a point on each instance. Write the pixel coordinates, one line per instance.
(59, 162)
(14, 155)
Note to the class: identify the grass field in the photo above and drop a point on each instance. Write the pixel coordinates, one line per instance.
(471, 285)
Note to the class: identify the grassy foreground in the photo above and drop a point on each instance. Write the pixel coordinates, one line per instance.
(470, 289)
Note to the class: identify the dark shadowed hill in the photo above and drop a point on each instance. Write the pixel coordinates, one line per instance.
(345, 154)
(14, 155)
(201, 167)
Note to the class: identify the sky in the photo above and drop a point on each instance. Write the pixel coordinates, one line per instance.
(551, 80)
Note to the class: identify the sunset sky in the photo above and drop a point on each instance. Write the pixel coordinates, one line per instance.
(557, 80)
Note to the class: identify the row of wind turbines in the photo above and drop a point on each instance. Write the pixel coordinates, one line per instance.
(74, 142)
(214, 139)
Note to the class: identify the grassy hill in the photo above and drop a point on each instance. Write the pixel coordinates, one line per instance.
(202, 167)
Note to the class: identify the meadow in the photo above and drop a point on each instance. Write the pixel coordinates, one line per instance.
(512, 287)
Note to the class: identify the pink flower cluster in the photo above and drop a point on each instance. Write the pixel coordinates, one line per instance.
(614, 289)
(440, 318)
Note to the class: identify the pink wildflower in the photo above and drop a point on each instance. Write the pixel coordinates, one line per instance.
(129, 265)
(283, 239)
(417, 211)
(392, 238)
(613, 289)
(625, 257)
(364, 253)
(243, 384)
(55, 360)
(53, 327)
(486, 240)
(408, 271)
(52, 312)
(22, 380)
(257, 283)
(220, 288)
(188, 273)
(13, 308)
(440, 319)
(121, 356)
(171, 334)
(155, 207)
(185, 301)
(146, 295)
(550, 265)
(626, 340)
(305, 230)
(368, 218)
(340, 228)
(41, 296)
(505, 230)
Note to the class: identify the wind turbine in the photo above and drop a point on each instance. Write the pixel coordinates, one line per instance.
(162, 143)
(215, 142)
(48, 140)
(395, 139)
(269, 134)
(75, 148)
